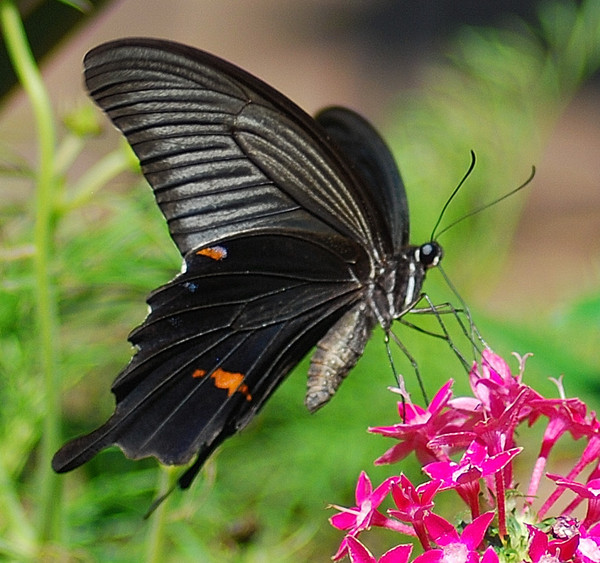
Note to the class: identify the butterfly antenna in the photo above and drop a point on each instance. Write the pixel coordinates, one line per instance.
(483, 207)
(453, 194)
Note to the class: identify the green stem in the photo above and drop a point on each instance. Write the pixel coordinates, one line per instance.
(22, 535)
(156, 533)
(46, 306)
(66, 153)
(96, 177)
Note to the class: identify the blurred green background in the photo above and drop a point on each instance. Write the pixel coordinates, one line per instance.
(82, 244)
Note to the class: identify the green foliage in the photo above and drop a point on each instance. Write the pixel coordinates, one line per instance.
(76, 266)
(499, 92)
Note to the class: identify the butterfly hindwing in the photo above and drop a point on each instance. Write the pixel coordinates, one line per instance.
(371, 159)
(219, 339)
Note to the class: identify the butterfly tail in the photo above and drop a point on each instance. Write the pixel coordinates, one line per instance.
(83, 448)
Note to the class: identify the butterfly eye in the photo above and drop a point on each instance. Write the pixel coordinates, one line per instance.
(430, 254)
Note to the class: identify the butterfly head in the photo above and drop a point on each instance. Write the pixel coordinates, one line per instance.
(410, 275)
(429, 254)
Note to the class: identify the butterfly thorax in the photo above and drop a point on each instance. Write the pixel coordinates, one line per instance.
(395, 290)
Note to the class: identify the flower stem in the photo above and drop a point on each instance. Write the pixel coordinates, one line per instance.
(45, 299)
(501, 502)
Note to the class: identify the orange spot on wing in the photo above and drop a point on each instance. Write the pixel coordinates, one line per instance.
(229, 381)
(214, 252)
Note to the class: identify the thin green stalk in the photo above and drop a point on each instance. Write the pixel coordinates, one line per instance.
(67, 151)
(46, 307)
(155, 540)
(96, 177)
(22, 535)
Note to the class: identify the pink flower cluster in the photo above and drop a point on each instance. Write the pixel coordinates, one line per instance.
(483, 429)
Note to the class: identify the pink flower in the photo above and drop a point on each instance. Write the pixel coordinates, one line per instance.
(455, 547)
(358, 553)
(490, 556)
(591, 454)
(419, 426)
(365, 514)
(413, 504)
(495, 386)
(588, 549)
(545, 550)
(564, 415)
(464, 476)
(589, 491)
(485, 428)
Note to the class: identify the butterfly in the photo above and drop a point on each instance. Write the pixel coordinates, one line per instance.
(294, 233)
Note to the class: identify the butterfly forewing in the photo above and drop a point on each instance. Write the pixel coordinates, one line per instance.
(225, 153)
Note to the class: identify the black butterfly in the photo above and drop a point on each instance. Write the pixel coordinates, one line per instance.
(294, 232)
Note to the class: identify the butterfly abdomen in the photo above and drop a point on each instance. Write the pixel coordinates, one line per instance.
(336, 354)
